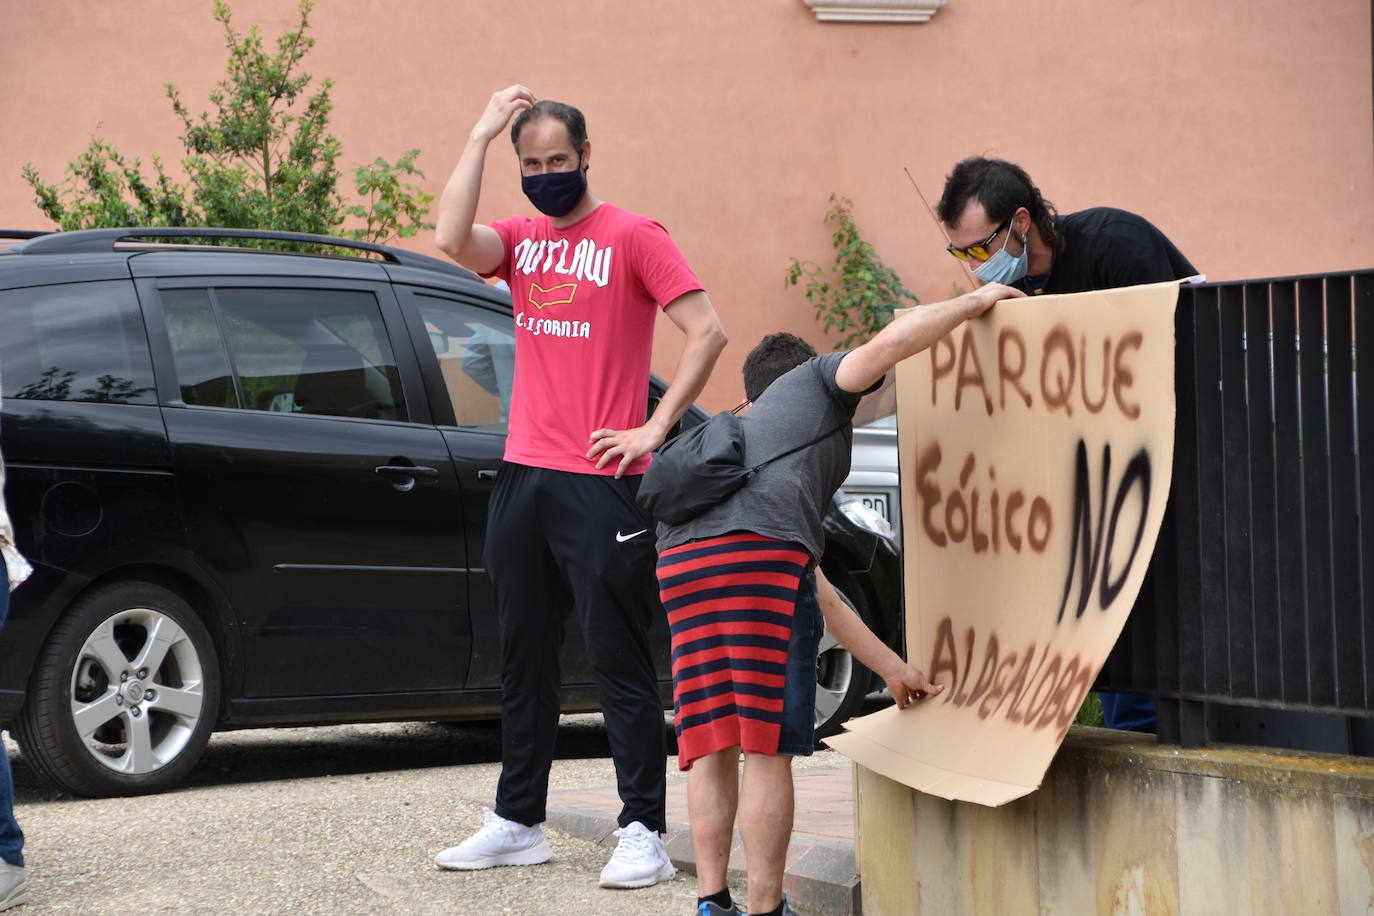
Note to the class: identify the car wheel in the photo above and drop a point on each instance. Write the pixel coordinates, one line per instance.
(841, 682)
(124, 695)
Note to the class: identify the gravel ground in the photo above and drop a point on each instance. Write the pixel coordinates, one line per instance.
(344, 819)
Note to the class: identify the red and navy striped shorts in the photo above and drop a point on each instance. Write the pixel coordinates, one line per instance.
(730, 603)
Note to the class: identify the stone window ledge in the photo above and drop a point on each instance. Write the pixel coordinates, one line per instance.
(875, 10)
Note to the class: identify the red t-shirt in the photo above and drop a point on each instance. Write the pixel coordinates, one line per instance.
(585, 300)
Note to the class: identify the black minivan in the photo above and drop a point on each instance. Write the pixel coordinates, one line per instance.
(253, 485)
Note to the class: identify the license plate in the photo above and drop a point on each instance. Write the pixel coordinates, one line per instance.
(875, 501)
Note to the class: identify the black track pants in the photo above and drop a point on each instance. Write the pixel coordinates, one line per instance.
(559, 542)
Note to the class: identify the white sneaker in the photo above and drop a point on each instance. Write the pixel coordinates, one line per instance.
(499, 842)
(14, 886)
(639, 859)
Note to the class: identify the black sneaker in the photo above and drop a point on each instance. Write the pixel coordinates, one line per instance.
(707, 908)
(786, 909)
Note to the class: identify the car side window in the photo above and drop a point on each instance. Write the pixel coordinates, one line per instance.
(476, 350)
(313, 351)
(76, 342)
(202, 363)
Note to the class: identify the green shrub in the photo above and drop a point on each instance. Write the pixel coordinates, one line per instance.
(263, 160)
(858, 300)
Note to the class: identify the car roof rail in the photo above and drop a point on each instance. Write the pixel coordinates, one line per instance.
(96, 241)
(23, 233)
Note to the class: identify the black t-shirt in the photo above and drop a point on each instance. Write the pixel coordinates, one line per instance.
(1106, 248)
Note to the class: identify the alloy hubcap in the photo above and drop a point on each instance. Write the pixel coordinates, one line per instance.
(137, 691)
(133, 693)
(834, 674)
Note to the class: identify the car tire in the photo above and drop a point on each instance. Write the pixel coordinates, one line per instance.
(841, 681)
(130, 660)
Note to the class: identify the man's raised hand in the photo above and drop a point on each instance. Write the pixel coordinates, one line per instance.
(502, 107)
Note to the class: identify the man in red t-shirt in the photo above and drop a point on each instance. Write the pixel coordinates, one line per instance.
(565, 534)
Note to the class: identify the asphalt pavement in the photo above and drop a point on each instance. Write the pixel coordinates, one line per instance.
(344, 819)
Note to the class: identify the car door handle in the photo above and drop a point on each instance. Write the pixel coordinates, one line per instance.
(414, 472)
(486, 474)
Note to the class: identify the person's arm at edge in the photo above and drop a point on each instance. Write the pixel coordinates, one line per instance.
(904, 681)
(696, 317)
(476, 246)
(912, 332)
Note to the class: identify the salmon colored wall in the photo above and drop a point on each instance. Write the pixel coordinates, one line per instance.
(1241, 127)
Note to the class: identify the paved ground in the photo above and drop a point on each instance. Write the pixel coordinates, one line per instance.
(821, 873)
(343, 820)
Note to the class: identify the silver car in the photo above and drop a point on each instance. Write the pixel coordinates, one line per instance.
(873, 481)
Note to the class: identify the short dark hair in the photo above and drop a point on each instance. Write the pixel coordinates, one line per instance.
(1001, 187)
(547, 108)
(774, 356)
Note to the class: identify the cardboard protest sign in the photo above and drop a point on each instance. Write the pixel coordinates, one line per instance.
(1036, 456)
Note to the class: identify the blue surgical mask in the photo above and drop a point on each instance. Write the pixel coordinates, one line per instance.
(1002, 267)
(555, 193)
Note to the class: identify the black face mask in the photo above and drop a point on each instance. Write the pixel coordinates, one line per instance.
(556, 194)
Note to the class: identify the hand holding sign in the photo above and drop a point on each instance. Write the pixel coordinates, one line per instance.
(907, 685)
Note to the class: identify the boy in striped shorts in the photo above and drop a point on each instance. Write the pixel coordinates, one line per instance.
(745, 598)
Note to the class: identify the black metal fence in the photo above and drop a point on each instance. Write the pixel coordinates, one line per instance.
(1261, 589)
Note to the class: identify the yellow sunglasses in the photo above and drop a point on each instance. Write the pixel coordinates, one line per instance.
(980, 251)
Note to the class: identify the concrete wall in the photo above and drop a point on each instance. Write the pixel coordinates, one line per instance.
(1121, 826)
(1243, 128)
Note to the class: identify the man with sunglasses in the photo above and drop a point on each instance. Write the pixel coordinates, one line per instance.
(999, 224)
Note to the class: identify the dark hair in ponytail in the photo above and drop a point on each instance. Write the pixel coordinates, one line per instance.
(1001, 187)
